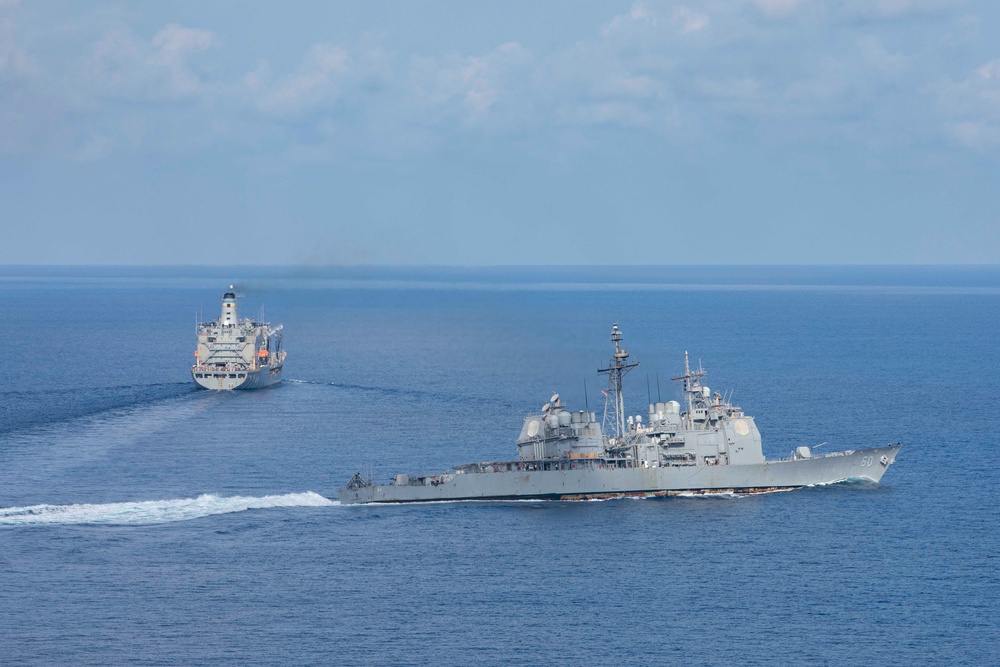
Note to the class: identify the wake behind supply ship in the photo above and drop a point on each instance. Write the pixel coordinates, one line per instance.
(237, 354)
(709, 447)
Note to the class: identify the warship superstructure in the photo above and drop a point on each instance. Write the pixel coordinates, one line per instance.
(237, 354)
(706, 445)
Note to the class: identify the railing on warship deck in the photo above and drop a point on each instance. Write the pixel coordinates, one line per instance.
(543, 465)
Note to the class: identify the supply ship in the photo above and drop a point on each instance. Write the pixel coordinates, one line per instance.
(705, 446)
(237, 354)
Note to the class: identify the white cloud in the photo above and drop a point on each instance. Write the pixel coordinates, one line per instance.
(316, 82)
(172, 49)
(332, 77)
(175, 43)
(639, 16)
(972, 106)
(670, 70)
(978, 94)
(641, 19)
(468, 87)
(690, 20)
(122, 65)
(990, 71)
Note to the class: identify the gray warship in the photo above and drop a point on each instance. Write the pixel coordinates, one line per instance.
(706, 446)
(237, 354)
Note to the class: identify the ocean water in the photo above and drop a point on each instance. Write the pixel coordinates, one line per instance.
(145, 522)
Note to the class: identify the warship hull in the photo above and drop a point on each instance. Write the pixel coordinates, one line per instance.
(590, 479)
(712, 447)
(229, 380)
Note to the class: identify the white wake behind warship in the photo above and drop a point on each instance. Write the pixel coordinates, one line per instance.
(709, 447)
(237, 354)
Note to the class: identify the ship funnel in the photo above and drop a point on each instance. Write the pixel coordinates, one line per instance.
(229, 316)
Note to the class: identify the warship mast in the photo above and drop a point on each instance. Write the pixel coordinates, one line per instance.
(692, 386)
(614, 404)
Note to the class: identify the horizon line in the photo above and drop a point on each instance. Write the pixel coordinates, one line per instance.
(492, 266)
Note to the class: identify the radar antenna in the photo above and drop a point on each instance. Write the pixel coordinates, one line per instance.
(614, 404)
(692, 384)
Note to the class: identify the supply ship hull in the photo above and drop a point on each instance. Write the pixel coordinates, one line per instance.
(211, 378)
(602, 479)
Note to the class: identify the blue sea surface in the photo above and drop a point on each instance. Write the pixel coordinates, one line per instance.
(145, 522)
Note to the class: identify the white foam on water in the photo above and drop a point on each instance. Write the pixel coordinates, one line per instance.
(153, 511)
(722, 495)
(729, 495)
(847, 481)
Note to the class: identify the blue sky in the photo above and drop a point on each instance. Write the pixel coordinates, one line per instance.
(720, 132)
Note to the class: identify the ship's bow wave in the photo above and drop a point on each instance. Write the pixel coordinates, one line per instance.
(153, 511)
